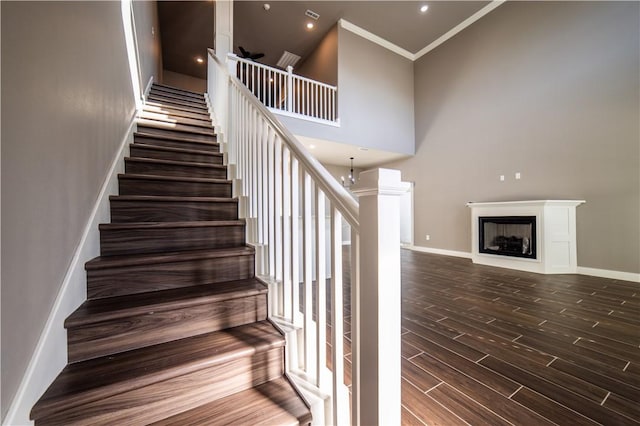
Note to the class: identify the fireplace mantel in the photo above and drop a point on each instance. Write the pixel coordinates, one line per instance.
(555, 234)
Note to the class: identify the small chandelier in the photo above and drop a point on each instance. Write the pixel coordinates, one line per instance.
(351, 179)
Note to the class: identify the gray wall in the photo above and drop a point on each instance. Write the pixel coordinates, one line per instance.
(67, 102)
(322, 63)
(548, 89)
(148, 38)
(375, 98)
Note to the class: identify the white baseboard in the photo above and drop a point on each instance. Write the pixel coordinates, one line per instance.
(444, 252)
(602, 273)
(50, 354)
(605, 273)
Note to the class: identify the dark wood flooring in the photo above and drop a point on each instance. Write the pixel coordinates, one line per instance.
(493, 346)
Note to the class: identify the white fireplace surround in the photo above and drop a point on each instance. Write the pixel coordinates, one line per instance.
(555, 235)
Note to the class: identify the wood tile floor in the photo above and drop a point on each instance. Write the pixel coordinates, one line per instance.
(491, 346)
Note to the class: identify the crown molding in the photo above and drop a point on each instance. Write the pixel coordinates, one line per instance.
(349, 26)
(376, 39)
(461, 26)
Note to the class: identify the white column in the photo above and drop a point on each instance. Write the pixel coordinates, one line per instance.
(379, 192)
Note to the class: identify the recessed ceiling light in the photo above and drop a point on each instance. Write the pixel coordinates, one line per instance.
(312, 146)
(310, 25)
(424, 8)
(199, 60)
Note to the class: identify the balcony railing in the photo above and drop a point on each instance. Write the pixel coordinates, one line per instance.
(286, 92)
(319, 280)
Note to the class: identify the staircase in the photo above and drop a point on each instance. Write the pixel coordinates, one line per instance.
(175, 329)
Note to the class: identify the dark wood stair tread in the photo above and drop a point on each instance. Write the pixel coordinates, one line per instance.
(102, 262)
(177, 150)
(175, 163)
(178, 89)
(99, 378)
(156, 100)
(272, 403)
(178, 113)
(98, 310)
(175, 127)
(169, 199)
(169, 225)
(176, 138)
(174, 119)
(136, 176)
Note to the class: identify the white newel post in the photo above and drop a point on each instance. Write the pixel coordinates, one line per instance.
(223, 44)
(290, 88)
(379, 194)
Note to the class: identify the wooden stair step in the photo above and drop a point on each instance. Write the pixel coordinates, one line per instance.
(177, 154)
(173, 112)
(140, 184)
(275, 402)
(103, 327)
(178, 92)
(138, 383)
(153, 128)
(169, 101)
(109, 276)
(154, 237)
(170, 118)
(167, 87)
(173, 126)
(152, 166)
(142, 208)
(176, 106)
(155, 92)
(177, 141)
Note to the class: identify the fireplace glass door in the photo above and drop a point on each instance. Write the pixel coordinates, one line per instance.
(508, 236)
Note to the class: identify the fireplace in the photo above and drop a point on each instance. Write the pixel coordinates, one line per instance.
(507, 236)
(535, 236)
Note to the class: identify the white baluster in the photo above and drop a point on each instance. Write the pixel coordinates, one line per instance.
(355, 328)
(286, 234)
(277, 220)
(321, 292)
(307, 265)
(295, 242)
(270, 204)
(340, 404)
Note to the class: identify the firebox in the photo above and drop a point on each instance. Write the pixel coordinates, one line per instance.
(508, 236)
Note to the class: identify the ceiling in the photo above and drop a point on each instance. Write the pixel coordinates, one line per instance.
(399, 22)
(187, 27)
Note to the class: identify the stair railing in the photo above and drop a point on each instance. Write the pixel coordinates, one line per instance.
(286, 92)
(295, 213)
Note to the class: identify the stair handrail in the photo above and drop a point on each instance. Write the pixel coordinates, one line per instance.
(336, 193)
(282, 192)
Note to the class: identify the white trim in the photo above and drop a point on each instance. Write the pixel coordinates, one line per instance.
(376, 39)
(415, 56)
(147, 89)
(444, 252)
(606, 273)
(582, 270)
(50, 354)
(461, 26)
